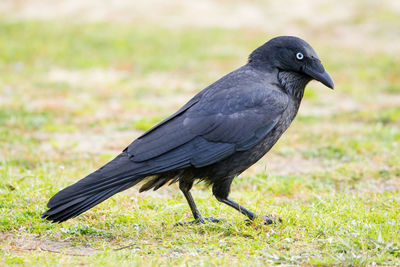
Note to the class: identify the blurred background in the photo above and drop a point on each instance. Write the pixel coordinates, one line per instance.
(86, 77)
(79, 80)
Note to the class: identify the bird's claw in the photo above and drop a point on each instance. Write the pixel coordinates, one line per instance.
(268, 219)
(272, 219)
(201, 220)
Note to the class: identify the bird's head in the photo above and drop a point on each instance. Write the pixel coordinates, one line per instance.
(292, 56)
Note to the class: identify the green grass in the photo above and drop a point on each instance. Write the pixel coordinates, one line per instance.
(58, 122)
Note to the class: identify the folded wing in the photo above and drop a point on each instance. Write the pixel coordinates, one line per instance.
(212, 127)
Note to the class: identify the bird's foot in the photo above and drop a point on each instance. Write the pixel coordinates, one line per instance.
(272, 218)
(202, 220)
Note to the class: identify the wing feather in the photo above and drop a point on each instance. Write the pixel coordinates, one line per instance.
(216, 123)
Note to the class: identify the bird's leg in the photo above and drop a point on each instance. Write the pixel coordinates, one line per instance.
(221, 191)
(198, 218)
(251, 215)
(192, 205)
(269, 219)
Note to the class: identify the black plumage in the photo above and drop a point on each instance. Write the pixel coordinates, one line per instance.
(217, 135)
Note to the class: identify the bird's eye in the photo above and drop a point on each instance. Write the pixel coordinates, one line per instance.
(299, 56)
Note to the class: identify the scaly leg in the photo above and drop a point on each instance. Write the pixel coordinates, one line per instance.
(198, 218)
(269, 219)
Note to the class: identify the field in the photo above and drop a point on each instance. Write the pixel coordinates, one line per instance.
(79, 81)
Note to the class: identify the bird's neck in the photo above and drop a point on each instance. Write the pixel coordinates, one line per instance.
(293, 83)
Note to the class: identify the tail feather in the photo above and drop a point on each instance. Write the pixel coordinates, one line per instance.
(60, 208)
(116, 176)
(66, 212)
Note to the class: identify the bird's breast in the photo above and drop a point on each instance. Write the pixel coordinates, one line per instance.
(273, 136)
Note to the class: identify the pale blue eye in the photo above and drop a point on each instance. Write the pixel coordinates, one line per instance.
(299, 56)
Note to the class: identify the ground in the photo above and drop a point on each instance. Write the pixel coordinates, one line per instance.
(79, 80)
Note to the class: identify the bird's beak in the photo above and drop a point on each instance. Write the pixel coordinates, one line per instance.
(316, 71)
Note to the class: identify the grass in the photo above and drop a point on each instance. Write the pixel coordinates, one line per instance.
(73, 95)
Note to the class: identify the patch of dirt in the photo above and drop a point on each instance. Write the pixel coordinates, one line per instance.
(206, 13)
(377, 186)
(80, 142)
(337, 103)
(283, 165)
(385, 101)
(84, 78)
(331, 104)
(96, 77)
(15, 242)
(165, 81)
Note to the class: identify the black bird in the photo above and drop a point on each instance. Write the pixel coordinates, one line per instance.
(218, 134)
